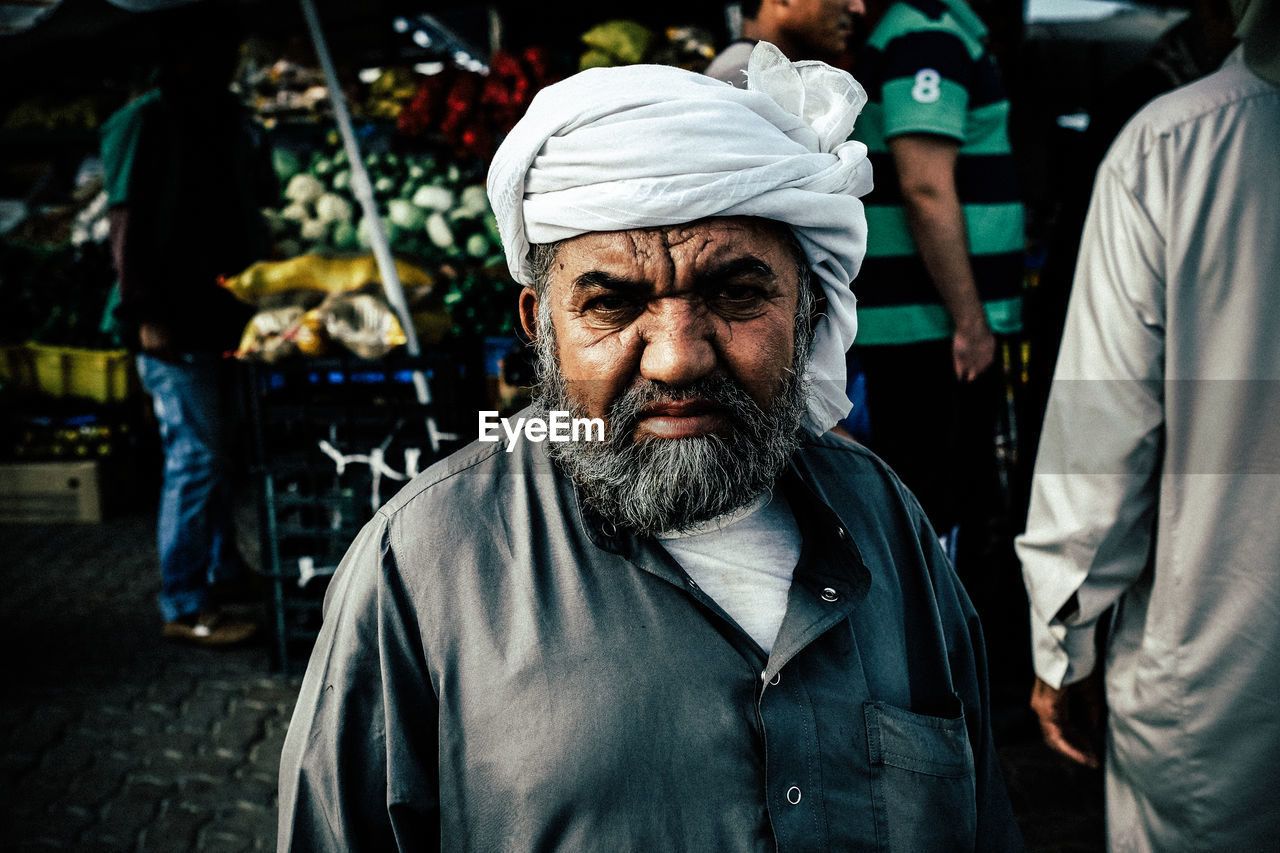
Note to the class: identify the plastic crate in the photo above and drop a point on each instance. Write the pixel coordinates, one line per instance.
(104, 376)
(320, 428)
(17, 367)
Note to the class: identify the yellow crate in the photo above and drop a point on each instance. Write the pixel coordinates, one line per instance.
(17, 367)
(106, 376)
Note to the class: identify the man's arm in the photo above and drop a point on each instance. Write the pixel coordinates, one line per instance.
(1071, 718)
(155, 338)
(358, 769)
(926, 167)
(1091, 520)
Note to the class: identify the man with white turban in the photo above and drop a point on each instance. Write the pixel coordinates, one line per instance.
(716, 628)
(1151, 554)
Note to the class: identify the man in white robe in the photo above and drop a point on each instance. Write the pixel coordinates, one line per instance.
(1152, 549)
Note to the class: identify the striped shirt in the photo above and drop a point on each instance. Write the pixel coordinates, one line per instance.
(926, 70)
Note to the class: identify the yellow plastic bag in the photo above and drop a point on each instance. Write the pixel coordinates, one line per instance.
(317, 272)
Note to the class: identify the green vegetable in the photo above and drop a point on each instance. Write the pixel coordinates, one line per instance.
(491, 226)
(331, 207)
(286, 163)
(314, 230)
(474, 198)
(364, 232)
(433, 198)
(303, 188)
(344, 237)
(438, 231)
(406, 214)
(296, 212)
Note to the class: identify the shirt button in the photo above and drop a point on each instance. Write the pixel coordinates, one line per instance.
(830, 594)
(793, 795)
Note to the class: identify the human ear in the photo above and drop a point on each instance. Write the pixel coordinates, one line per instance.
(529, 312)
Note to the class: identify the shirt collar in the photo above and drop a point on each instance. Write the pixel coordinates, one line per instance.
(830, 561)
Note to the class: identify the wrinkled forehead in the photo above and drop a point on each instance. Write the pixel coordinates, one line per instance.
(679, 251)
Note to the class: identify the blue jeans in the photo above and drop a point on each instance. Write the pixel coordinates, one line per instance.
(195, 406)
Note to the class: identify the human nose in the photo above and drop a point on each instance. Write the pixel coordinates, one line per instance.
(678, 348)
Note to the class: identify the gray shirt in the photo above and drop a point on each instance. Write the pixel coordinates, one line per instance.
(498, 670)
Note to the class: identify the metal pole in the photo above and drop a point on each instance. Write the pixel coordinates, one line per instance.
(362, 189)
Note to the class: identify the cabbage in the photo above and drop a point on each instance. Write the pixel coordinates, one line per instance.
(314, 230)
(297, 212)
(433, 198)
(331, 207)
(344, 236)
(304, 188)
(406, 214)
(438, 230)
(475, 199)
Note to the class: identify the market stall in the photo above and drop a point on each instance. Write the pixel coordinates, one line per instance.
(385, 263)
(384, 316)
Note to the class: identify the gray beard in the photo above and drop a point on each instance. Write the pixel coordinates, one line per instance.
(652, 485)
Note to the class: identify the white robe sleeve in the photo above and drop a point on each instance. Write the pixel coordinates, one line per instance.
(1089, 532)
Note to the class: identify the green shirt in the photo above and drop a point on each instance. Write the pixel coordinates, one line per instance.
(191, 174)
(926, 70)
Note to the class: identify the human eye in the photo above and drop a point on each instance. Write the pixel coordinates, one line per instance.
(609, 309)
(607, 304)
(735, 299)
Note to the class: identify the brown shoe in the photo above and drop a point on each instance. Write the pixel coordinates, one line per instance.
(210, 628)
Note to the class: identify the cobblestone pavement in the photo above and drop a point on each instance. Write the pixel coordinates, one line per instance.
(113, 739)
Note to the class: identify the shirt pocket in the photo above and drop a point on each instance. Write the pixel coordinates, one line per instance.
(922, 780)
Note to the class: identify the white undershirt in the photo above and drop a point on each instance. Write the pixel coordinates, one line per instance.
(744, 561)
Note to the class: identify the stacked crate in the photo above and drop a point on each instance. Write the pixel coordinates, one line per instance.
(332, 440)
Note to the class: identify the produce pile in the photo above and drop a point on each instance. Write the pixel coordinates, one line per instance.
(624, 42)
(283, 89)
(315, 305)
(435, 214)
(470, 113)
(50, 112)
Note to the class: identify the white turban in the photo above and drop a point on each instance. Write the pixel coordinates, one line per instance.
(643, 146)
